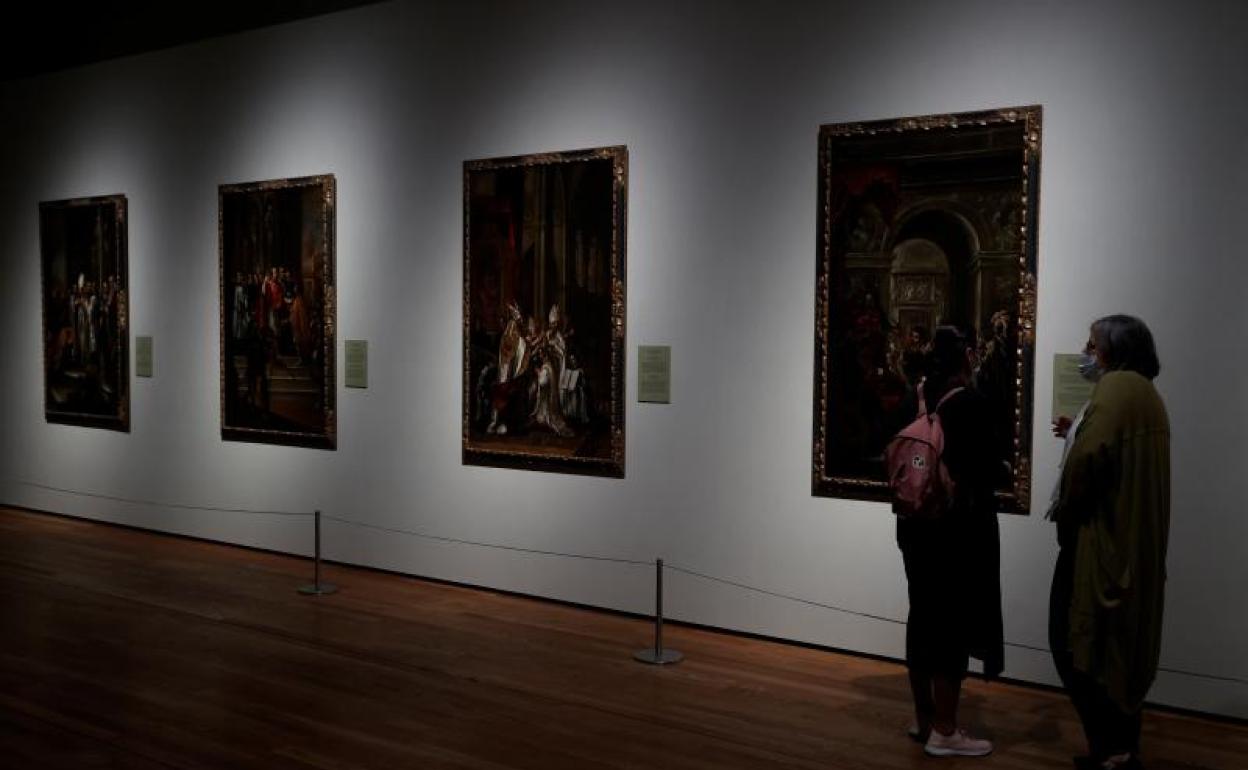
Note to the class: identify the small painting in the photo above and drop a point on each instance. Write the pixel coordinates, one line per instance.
(85, 312)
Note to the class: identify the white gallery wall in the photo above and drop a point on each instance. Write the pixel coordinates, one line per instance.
(1142, 195)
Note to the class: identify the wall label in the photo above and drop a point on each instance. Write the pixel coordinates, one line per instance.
(142, 356)
(1070, 390)
(654, 374)
(357, 363)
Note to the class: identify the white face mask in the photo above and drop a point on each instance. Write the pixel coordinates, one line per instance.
(1089, 369)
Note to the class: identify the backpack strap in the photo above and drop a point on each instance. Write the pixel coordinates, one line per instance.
(943, 399)
(946, 397)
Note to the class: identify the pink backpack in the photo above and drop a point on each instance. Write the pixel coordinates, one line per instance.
(917, 475)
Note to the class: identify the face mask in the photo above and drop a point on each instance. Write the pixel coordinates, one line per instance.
(1089, 369)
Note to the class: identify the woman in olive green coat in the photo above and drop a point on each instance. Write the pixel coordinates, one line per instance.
(1113, 520)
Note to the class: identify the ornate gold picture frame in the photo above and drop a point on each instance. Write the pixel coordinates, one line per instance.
(544, 302)
(923, 221)
(278, 311)
(86, 318)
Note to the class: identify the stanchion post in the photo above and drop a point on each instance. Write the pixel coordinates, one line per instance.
(657, 656)
(317, 588)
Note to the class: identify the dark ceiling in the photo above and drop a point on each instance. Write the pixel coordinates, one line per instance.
(57, 35)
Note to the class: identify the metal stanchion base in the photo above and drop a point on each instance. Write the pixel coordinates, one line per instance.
(661, 658)
(322, 589)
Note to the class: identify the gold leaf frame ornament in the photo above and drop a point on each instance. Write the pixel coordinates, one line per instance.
(86, 339)
(241, 418)
(542, 231)
(964, 186)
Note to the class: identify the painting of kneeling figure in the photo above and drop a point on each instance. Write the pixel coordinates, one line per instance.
(544, 257)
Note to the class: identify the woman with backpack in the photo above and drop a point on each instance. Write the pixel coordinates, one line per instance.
(1113, 524)
(952, 556)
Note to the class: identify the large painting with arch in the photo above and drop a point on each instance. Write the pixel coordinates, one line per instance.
(923, 222)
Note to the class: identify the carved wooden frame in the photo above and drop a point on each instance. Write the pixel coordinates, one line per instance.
(327, 437)
(121, 420)
(612, 466)
(1017, 498)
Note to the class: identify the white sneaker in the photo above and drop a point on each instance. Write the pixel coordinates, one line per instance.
(956, 744)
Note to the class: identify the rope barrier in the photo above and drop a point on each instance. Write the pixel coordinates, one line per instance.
(1017, 645)
(832, 607)
(481, 544)
(1214, 677)
(158, 503)
(561, 554)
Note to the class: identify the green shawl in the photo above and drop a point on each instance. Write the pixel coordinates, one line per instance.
(1116, 489)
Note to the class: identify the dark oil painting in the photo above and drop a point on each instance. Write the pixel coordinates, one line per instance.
(923, 222)
(85, 312)
(277, 311)
(544, 258)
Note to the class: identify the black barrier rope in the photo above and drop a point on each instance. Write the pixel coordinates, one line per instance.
(895, 621)
(1198, 675)
(158, 503)
(832, 607)
(498, 546)
(541, 552)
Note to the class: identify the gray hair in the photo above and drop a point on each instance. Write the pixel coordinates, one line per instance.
(1126, 343)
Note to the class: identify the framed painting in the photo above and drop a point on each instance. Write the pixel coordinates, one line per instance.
(86, 321)
(544, 256)
(923, 222)
(277, 316)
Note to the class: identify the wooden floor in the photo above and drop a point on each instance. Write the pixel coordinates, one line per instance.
(132, 650)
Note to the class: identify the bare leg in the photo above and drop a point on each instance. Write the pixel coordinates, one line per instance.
(945, 691)
(924, 705)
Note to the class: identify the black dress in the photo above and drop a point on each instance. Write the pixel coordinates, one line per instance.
(953, 564)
